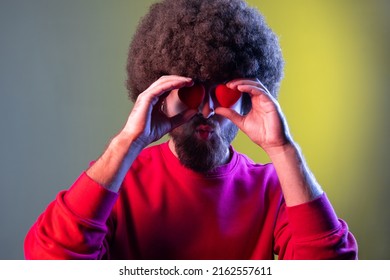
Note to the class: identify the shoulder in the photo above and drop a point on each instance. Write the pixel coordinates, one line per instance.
(259, 177)
(247, 163)
(257, 173)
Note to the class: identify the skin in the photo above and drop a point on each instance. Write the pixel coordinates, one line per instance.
(265, 125)
(206, 129)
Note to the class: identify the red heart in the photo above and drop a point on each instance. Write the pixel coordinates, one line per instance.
(192, 96)
(226, 97)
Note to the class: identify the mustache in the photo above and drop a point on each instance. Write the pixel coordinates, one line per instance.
(200, 120)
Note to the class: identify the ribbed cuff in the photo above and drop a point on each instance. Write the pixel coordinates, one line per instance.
(314, 218)
(89, 200)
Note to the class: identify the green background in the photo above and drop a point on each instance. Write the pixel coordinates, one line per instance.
(62, 97)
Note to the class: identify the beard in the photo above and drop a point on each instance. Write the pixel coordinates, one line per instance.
(202, 144)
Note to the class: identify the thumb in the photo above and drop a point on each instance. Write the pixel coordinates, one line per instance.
(182, 117)
(232, 115)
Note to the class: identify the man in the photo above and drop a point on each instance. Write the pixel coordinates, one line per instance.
(198, 70)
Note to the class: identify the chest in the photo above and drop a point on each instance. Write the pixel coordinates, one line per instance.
(171, 220)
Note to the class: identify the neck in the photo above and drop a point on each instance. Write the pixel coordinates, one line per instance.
(224, 160)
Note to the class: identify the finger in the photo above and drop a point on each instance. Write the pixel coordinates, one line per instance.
(252, 82)
(239, 81)
(182, 117)
(171, 82)
(260, 98)
(162, 86)
(232, 115)
(254, 90)
(167, 78)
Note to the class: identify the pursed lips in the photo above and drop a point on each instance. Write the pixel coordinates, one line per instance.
(204, 131)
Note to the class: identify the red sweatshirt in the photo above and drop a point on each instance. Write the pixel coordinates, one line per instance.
(166, 211)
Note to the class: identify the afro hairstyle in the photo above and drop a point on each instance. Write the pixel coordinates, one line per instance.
(207, 40)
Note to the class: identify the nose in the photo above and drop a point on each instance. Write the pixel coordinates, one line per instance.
(207, 106)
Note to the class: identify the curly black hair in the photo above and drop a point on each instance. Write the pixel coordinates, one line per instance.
(207, 40)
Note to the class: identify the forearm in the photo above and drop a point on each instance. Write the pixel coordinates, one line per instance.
(111, 167)
(298, 183)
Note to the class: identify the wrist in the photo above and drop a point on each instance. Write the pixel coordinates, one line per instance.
(276, 151)
(298, 183)
(125, 141)
(111, 167)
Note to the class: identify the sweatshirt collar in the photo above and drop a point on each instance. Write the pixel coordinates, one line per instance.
(220, 171)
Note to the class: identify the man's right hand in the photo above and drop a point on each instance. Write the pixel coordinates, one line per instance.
(145, 124)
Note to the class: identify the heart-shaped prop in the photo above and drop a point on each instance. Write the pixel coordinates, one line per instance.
(226, 97)
(192, 96)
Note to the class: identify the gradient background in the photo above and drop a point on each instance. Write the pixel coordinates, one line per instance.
(62, 97)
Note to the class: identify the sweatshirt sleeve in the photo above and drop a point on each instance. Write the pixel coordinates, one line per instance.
(74, 225)
(313, 231)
